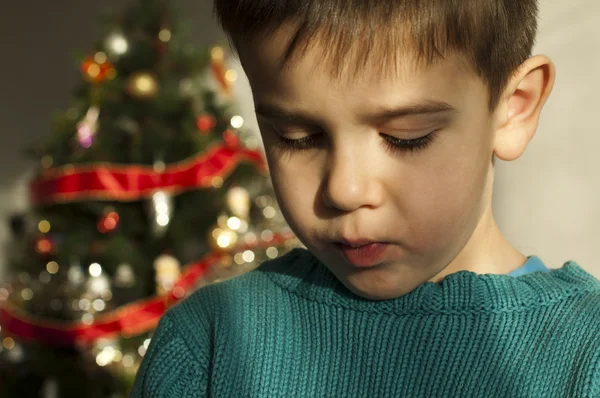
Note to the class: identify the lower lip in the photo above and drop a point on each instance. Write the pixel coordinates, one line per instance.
(365, 256)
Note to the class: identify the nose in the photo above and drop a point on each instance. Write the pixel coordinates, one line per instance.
(350, 182)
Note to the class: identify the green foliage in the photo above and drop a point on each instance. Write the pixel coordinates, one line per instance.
(131, 130)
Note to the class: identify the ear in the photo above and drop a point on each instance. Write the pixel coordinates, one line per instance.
(519, 110)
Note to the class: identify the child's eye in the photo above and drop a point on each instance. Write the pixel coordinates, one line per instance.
(299, 144)
(393, 143)
(413, 145)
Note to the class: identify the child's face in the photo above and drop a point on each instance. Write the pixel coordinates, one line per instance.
(349, 185)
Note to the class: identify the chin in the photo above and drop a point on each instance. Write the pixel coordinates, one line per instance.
(378, 285)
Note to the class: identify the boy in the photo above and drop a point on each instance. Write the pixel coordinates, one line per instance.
(381, 121)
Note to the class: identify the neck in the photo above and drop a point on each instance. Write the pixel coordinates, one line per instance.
(486, 252)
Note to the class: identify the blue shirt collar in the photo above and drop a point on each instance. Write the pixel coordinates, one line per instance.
(533, 264)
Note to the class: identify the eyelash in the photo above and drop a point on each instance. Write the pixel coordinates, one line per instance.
(392, 143)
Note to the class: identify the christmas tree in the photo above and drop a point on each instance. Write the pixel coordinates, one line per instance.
(147, 189)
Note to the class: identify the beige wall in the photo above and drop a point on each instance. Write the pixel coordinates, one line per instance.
(547, 202)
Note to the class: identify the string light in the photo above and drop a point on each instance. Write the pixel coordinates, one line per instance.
(99, 305)
(84, 304)
(100, 57)
(164, 35)
(52, 267)
(44, 226)
(261, 201)
(224, 240)
(250, 238)
(239, 258)
(127, 360)
(231, 76)
(117, 44)
(142, 85)
(161, 207)
(237, 122)
(234, 223)
(106, 356)
(8, 343)
(27, 294)
(217, 53)
(44, 277)
(95, 270)
(267, 235)
(248, 256)
(269, 212)
(272, 252)
(106, 295)
(217, 182)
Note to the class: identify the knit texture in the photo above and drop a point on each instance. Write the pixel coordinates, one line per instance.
(291, 329)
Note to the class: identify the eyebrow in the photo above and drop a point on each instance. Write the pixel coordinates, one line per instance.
(427, 107)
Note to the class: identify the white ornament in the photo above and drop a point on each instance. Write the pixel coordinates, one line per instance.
(87, 128)
(161, 210)
(238, 201)
(124, 276)
(167, 272)
(75, 274)
(98, 285)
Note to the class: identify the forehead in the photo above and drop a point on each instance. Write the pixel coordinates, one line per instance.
(379, 78)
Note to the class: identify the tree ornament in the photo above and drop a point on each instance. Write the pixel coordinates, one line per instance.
(160, 209)
(124, 277)
(108, 222)
(217, 56)
(238, 202)
(75, 274)
(97, 285)
(98, 68)
(231, 139)
(167, 271)
(87, 128)
(142, 85)
(206, 123)
(44, 245)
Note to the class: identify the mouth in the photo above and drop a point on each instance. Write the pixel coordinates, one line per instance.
(363, 253)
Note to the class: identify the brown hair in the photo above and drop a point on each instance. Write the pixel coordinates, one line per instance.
(494, 36)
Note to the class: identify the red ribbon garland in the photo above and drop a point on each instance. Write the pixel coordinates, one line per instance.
(129, 183)
(131, 319)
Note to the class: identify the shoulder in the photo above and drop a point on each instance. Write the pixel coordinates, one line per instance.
(169, 369)
(245, 294)
(586, 315)
(270, 276)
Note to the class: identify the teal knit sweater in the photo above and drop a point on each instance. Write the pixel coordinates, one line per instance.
(291, 329)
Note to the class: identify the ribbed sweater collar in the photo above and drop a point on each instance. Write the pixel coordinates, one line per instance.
(302, 274)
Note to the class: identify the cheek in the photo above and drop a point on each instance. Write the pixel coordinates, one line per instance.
(295, 184)
(447, 202)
